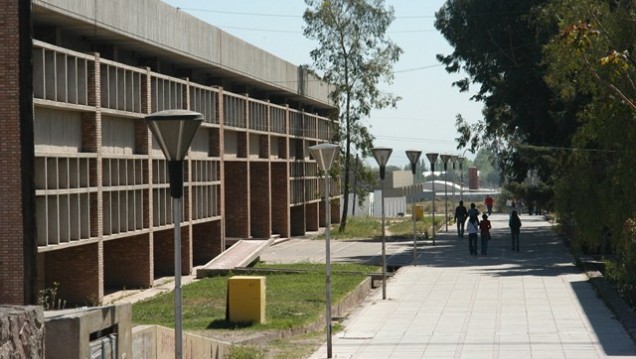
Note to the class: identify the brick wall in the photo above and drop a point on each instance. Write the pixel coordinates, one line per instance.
(236, 200)
(127, 262)
(311, 216)
(77, 272)
(280, 199)
(260, 195)
(17, 246)
(163, 252)
(206, 242)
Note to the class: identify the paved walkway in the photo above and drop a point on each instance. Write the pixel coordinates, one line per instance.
(528, 304)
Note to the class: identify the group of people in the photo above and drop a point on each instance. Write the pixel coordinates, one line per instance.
(475, 227)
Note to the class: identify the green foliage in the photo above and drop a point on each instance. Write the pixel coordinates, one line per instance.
(499, 46)
(354, 55)
(358, 227)
(488, 166)
(48, 298)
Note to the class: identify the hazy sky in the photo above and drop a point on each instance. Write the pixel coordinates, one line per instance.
(424, 119)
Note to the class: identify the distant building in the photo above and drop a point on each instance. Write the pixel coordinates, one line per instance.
(85, 197)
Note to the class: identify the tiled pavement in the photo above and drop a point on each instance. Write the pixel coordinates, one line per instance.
(529, 304)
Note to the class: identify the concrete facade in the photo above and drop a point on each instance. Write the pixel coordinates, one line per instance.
(80, 333)
(86, 203)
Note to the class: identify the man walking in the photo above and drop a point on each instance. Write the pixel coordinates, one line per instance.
(460, 218)
(489, 202)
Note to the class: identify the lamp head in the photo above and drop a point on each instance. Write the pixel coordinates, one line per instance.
(324, 154)
(381, 155)
(432, 158)
(174, 131)
(445, 158)
(413, 156)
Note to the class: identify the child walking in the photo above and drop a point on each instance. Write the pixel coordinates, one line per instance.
(484, 227)
(473, 230)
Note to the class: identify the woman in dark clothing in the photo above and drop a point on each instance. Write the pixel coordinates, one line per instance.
(515, 228)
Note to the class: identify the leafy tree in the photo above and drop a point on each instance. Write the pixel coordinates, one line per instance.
(355, 56)
(488, 168)
(363, 180)
(500, 47)
(591, 59)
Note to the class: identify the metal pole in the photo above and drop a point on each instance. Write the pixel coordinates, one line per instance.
(461, 186)
(414, 224)
(178, 316)
(433, 171)
(328, 265)
(383, 248)
(454, 179)
(446, 196)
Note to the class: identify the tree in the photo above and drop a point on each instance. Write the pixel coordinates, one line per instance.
(500, 47)
(355, 56)
(488, 168)
(363, 181)
(591, 59)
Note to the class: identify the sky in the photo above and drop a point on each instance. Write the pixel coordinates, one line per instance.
(425, 117)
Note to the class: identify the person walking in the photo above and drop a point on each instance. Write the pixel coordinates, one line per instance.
(473, 211)
(484, 228)
(460, 218)
(489, 203)
(473, 229)
(515, 229)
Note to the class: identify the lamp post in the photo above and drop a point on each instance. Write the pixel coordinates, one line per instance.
(382, 155)
(324, 154)
(445, 159)
(432, 157)
(413, 157)
(461, 171)
(174, 131)
(453, 160)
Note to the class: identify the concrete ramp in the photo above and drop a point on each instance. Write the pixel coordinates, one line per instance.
(241, 254)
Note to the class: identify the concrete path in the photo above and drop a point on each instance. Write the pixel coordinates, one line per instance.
(528, 304)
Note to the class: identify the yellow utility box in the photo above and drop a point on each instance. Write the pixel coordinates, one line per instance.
(419, 212)
(246, 299)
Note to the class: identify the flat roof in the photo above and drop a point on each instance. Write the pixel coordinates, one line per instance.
(154, 28)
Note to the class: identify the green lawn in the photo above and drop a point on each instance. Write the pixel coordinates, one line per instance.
(292, 299)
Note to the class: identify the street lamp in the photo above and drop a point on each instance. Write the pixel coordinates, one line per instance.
(454, 161)
(414, 156)
(324, 154)
(461, 171)
(174, 131)
(432, 157)
(382, 155)
(445, 159)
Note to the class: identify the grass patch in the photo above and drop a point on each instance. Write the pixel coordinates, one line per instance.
(293, 299)
(369, 227)
(357, 227)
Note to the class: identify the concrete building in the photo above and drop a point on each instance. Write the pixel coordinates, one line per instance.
(84, 188)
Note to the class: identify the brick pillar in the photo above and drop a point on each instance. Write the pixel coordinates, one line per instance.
(221, 152)
(18, 247)
(95, 88)
(145, 142)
